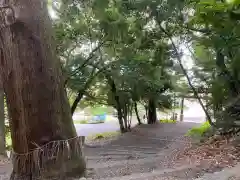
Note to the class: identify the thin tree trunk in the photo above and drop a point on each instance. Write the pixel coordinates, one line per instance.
(182, 109)
(152, 113)
(146, 110)
(125, 114)
(38, 107)
(83, 90)
(118, 104)
(130, 117)
(137, 114)
(186, 75)
(76, 101)
(120, 119)
(2, 125)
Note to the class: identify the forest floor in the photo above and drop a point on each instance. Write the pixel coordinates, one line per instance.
(156, 152)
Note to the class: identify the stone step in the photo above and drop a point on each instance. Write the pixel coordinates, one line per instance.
(117, 157)
(180, 173)
(127, 167)
(141, 147)
(124, 156)
(231, 173)
(122, 151)
(127, 152)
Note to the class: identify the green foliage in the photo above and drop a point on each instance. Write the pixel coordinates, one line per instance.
(167, 121)
(216, 52)
(98, 110)
(199, 131)
(8, 141)
(104, 135)
(128, 42)
(80, 122)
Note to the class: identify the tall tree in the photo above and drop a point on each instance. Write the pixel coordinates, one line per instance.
(38, 106)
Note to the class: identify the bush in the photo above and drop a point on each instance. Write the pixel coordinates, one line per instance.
(167, 121)
(199, 131)
(99, 136)
(80, 122)
(105, 135)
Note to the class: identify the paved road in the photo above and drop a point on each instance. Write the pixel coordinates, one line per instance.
(110, 126)
(90, 129)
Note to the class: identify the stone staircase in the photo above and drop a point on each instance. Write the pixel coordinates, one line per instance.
(140, 169)
(141, 157)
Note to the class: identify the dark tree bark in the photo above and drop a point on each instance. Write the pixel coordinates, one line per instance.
(38, 107)
(2, 124)
(232, 82)
(125, 116)
(76, 101)
(118, 104)
(130, 109)
(137, 114)
(146, 110)
(152, 113)
(182, 109)
(82, 91)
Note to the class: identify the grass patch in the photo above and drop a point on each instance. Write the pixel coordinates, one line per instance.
(104, 135)
(167, 121)
(80, 122)
(199, 131)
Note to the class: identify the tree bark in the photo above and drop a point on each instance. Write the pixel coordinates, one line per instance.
(38, 107)
(125, 116)
(146, 110)
(2, 124)
(130, 109)
(182, 109)
(76, 101)
(152, 113)
(82, 91)
(118, 104)
(137, 114)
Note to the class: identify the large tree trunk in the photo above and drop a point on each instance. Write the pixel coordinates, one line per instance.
(152, 113)
(38, 107)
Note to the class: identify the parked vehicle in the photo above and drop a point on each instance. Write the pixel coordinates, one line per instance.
(98, 119)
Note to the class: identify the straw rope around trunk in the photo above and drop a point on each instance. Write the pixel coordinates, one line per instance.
(54, 160)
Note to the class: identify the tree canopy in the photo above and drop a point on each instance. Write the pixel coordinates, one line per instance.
(121, 52)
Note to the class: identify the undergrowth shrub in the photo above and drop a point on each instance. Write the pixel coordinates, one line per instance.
(105, 135)
(80, 122)
(167, 121)
(199, 131)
